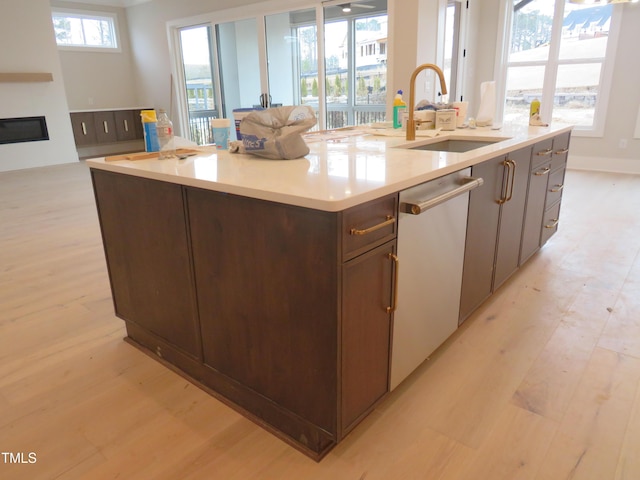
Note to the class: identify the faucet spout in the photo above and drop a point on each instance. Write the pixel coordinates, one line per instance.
(411, 124)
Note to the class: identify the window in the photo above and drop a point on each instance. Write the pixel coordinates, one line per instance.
(558, 54)
(85, 30)
(355, 64)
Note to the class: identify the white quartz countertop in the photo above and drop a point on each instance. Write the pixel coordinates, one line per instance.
(344, 167)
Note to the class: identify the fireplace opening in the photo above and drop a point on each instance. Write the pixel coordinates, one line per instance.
(24, 129)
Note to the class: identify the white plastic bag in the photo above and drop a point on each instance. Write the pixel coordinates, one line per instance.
(276, 132)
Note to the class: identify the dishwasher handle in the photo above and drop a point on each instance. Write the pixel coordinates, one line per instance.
(468, 184)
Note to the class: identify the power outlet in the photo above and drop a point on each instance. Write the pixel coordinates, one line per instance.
(622, 143)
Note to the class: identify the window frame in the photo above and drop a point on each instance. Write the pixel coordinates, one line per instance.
(89, 15)
(554, 62)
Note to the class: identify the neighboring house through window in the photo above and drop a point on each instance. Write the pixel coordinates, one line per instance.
(560, 53)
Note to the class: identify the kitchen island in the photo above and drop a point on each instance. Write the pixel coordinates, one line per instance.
(271, 284)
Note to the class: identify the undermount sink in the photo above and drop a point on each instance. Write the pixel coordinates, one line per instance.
(457, 145)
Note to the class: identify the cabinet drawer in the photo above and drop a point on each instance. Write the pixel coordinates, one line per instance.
(550, 223)
(368, 225)
(84, 128)
(542, 152)
(560, 150)
(125, 126)
(554, 187)
(105, 127)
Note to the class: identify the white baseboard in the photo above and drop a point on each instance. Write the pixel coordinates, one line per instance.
(601, 164)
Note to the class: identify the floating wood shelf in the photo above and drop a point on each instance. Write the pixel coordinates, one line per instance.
(25, 77)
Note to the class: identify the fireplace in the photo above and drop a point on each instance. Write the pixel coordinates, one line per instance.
(24, 129)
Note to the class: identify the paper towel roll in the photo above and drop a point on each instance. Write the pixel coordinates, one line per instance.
(487, 109)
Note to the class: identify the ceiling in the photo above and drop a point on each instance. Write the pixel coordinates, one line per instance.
(111, 3)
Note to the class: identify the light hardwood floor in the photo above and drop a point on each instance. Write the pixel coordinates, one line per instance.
(541, 383)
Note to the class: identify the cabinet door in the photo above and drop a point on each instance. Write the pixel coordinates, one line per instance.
(267, 281)
(512, 216)
(145, 236)
(366, 331)
(535, 210)
(560, 151)
(482, 230)
(125, 127)
(105, 127)
(84, 128)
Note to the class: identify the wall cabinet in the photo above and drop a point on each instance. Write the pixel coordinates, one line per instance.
(494, 227)
(282, 311)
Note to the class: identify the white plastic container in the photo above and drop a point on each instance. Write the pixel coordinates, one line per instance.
(446, 119)
(220, 131)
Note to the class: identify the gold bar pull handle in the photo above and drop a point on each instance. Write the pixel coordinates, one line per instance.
(544, 153)
(84, 128)
(553, 224)
(513, 178)
(557, 188)
(542, 172)
(389, 221)
(126, 125)
(466, 185)
(106, 126)
(561, 152)
(394, 299)
(506, 177)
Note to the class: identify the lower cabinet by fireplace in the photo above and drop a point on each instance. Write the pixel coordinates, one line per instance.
(280, 311)
(106, 131)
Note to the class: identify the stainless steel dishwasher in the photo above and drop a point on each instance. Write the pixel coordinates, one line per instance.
(432, 228)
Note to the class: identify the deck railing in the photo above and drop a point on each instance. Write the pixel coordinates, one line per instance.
(337, 117)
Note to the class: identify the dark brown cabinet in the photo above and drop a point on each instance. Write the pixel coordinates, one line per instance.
(266, 276)
(555, 186)
(494, 227)
(125, 124)
(107, 131)
(84, 128)
(145, 236)
(524, 211)
(368, 272)
(105, 127)
(366, 332)
(283, 311)
(545, 192)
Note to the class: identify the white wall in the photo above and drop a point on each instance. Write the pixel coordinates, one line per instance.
(99, 80)
(26, 34)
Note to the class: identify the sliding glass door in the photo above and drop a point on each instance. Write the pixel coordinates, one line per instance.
(274, 59)
(239, 60)
(199, 87)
